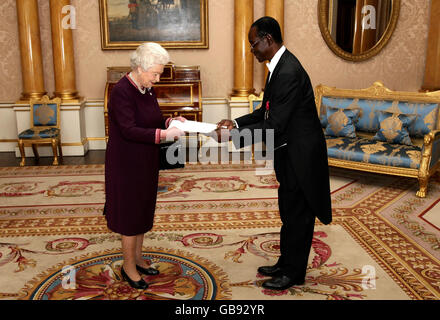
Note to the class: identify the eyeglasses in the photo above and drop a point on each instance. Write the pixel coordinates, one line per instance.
(255, 43)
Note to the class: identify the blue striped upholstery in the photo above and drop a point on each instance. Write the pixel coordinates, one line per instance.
(39, 133)
(394, 127)
(427, 113)
(341, 122)
(45, 114)
(374, 152)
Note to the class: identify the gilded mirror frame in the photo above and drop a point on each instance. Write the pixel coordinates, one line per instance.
(323, 7)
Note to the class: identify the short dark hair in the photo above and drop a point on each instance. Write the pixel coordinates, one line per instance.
(268, 25)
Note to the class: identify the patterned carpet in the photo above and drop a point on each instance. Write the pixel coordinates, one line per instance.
(214, 225)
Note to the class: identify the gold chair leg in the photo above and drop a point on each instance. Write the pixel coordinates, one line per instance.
(55, 153)
(23, 156)
(36, 154)
(60, 149)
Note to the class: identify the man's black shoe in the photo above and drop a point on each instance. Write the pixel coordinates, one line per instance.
(270, 271)
(282, 282)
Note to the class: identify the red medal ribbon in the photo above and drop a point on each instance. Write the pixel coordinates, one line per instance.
(267, 105)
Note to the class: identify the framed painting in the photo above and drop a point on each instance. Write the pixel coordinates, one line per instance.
(174, 24)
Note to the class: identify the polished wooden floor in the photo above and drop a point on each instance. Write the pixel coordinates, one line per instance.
(8, 159)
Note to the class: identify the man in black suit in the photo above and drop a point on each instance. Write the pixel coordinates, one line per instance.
(300, 152)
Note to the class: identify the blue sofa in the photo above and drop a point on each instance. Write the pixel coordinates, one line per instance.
(382, 131)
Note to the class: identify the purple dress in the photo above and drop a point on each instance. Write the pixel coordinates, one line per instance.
(132, 159)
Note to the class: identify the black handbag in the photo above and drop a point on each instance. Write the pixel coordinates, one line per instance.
(175, 159)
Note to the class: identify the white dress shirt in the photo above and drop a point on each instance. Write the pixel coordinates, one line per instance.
(271, 66)
(274, 61)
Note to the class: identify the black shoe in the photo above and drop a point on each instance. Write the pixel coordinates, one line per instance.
(141, 284)
(270, 271)
(147, 271)
(282, 282)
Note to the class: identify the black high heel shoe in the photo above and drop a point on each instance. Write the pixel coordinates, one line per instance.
(147, 271)
(141, 284)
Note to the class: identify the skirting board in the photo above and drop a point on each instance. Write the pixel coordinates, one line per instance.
(85, 125)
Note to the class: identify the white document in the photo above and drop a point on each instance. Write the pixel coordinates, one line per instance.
(193, 126)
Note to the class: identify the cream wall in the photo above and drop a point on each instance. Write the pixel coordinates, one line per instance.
(92, 62)
(400, 65)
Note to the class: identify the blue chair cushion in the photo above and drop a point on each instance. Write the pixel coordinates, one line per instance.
(341, 122)
(39, 133)
(256, 104)
(374, 152)
(323, 115)
(427, 113)
(394, 127)
(45, 114)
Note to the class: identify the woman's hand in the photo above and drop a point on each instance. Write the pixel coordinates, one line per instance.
(171, 134)
(180, 118)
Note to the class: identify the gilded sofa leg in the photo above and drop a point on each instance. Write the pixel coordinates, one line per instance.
(23, 156)
(55, 153)
(423, 182)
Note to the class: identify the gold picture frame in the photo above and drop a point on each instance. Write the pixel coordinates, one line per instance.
(174, 24)
(324, 15)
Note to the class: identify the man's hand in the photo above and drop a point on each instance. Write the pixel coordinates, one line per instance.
(226, 124)
(222, 134)
(219, 135)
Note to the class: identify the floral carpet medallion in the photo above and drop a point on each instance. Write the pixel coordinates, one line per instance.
(98, 277)
(342, 283)
(214, 226)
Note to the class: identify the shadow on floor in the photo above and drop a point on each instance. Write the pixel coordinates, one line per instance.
(8, 159)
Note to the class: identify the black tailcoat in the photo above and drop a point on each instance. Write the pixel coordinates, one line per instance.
(294, 118)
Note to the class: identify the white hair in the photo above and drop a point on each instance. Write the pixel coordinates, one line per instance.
(147, 55)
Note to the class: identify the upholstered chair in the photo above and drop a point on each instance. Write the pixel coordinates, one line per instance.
(45, 128)
(255, 102)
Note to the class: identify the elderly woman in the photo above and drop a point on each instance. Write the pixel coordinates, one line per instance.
(136, 127)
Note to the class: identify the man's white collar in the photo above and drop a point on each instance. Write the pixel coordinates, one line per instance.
(274, 61)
